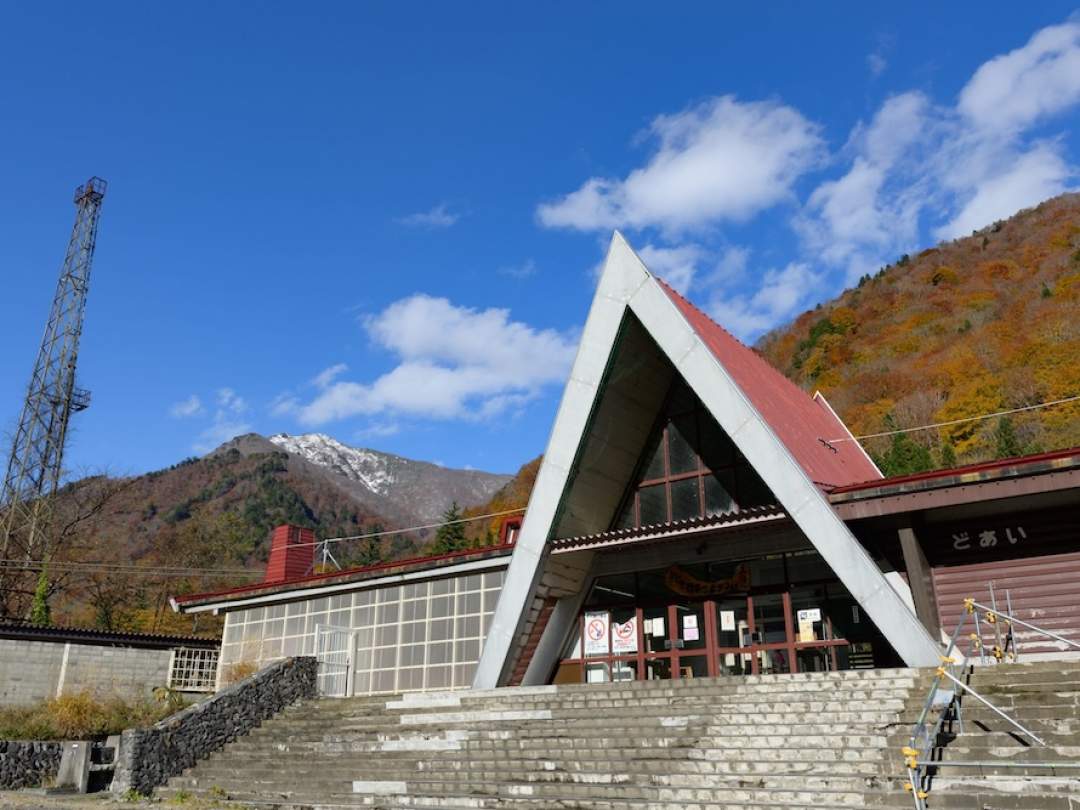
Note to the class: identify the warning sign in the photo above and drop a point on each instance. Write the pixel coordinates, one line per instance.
(624, 636)
(596, 633)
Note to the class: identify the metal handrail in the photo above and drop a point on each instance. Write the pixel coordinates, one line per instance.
(917, 754)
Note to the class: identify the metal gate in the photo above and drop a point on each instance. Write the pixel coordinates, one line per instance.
(334, 654)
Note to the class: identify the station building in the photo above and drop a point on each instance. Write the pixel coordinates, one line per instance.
(696, 514)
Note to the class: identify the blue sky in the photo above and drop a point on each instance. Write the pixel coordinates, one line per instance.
(382, 221)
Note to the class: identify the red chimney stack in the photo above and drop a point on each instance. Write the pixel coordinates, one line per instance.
(292, 552)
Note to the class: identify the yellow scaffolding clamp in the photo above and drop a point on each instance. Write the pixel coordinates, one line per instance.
(997, 653)
(976, 642)
(969, 604)
(991, 617)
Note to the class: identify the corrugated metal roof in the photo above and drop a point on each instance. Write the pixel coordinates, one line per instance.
(348, 575)
(88, 635)
(795, 417)
(754, 514)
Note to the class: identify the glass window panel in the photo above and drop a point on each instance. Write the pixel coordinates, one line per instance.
(252, 631)
(386, 635)
(340, 601)
(439, 653)
(382, 681)
(273, 628)
(463, 675)
(472, 582)
(389, 595)
(320, 605)
(469, 603)
(361, 683)
(362, 617)
(441, 607)
(294, 626)
(388, 613)
(413, 632)
(271, 648)
(309, 645)
(491, 600)
(440, 629)
(363, 658)
(255, 615)
(275, 612)
(685, 499)
(654, 452)
(296, 609)
(411, 656)
(231, 634)
(487, 623)
(414, 590)
(441, 586)
(291, 647)
(653, 505)
(718, 488)
(362, 598)
(365, 636)
(468, 627)
(386, 658)
(715, 447)
(411, 679)
(414, 611)
(682, 439)
(751, 489)
(467, 650)
(438, 677)
(494, 579)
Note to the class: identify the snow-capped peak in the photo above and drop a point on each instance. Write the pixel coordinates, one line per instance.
(370, 468)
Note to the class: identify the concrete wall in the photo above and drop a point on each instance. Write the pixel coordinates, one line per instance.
(33, 670)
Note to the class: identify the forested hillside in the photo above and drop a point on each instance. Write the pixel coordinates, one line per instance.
(983, 324)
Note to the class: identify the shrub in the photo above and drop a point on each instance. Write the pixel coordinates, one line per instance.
(81, 715)
(238, 671)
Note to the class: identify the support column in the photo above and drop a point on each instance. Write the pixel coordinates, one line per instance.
(920, 581)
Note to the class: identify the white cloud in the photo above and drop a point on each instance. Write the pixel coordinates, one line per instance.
(676, 265)
(1024, 180)
(228, 400)
(781, 295)
(192, 406)
(525, 269)
(877, 63)
(220, 431)
(438, 217)
(721, 160)
(1014, 90)
(328, 375)
(454, 363)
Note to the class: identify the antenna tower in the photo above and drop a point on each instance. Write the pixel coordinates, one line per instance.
(37, 451)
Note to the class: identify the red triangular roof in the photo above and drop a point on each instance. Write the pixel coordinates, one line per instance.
(797, 419)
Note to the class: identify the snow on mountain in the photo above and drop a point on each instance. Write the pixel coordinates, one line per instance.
(404, 490)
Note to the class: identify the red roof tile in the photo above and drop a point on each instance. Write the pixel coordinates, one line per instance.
(798, 420)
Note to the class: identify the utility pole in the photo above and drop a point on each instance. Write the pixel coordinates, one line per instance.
(37, 450)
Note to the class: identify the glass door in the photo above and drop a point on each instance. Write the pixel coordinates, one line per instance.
(690, 640)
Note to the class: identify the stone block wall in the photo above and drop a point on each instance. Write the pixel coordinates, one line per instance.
(33, 670)
(27, 764)
(148, 757)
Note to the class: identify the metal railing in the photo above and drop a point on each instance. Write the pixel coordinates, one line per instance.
(947, 692)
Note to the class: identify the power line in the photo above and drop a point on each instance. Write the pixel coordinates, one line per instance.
(954, 421)
(122, 568)
(390, 532)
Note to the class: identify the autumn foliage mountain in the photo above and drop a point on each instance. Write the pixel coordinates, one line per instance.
(979, 325)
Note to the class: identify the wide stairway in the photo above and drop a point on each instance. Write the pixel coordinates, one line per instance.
(790, 741)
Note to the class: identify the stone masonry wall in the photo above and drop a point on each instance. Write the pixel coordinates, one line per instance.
(32, 670)
(26, 764)
(148, 757)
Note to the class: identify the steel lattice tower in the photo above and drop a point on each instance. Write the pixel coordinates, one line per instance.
(37, 450)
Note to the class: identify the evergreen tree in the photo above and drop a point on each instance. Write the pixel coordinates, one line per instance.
(1006, 443)
(40, 613)
(451, 534)
(904, 456)
(948, 456)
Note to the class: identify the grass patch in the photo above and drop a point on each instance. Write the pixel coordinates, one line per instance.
(81, 715)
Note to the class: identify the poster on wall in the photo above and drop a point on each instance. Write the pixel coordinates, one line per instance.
(624, 636)
(597, 626)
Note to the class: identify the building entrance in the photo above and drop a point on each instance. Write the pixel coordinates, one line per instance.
(768, 616)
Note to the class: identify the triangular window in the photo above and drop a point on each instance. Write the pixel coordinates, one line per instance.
(690, 469)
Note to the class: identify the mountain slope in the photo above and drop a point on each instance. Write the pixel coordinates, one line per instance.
(409, 492)
(979, 325)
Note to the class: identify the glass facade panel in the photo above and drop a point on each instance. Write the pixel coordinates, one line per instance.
(685, 499)
(421, 635)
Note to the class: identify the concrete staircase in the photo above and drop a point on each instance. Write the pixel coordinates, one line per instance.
(1012, 772)
(792, 741)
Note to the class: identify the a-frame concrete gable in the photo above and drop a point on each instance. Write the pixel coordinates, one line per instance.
(627, 286)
